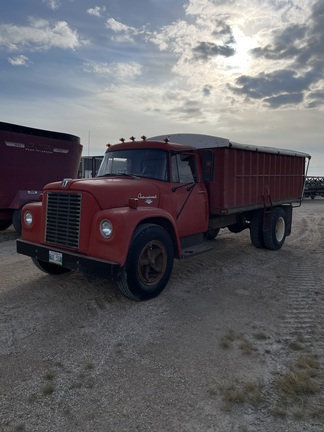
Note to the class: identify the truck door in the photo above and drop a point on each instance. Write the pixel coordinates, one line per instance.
(189, 195)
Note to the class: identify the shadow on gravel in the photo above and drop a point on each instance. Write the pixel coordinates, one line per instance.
(8, 234)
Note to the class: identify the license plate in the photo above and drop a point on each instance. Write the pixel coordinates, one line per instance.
(55, 257)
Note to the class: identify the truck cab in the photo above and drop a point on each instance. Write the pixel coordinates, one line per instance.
(147, 205)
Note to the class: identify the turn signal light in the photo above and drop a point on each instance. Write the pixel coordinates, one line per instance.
(133, 203)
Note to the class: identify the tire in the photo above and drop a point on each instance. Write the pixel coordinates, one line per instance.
(211, 234)
(4, 224)
(256, 229)
(236, 228)
(50, 268)
(275, 235)
(149, 263)
(16, 220)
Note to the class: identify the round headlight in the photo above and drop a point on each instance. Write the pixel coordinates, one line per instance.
(28, 218)
(106, 228)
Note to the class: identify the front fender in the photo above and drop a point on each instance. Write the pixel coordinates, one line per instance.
(33, 233)
(124, 221)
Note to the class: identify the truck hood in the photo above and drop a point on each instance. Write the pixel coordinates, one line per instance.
(113, 192)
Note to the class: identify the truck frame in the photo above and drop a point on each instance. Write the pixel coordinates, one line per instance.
(30, 158)
(159, 199)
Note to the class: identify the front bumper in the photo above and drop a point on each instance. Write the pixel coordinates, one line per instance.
(70, 260)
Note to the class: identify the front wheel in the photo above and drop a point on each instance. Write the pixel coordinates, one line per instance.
(16, 220)
(149, 263)
(50, 268)
(274, 237)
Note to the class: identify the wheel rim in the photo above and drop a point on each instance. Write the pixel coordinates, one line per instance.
(280, 229)
(152, 263)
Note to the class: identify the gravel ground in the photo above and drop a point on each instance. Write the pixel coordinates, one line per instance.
(234, 343)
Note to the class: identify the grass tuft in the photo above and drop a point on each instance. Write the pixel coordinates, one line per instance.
(242, 393)
(247, 347)
(297, 382)
(48, 389)
(296, 346)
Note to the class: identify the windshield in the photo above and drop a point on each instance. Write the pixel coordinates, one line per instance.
(151, 163)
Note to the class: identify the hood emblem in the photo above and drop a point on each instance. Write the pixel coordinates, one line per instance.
(65, 182)
(148, 199)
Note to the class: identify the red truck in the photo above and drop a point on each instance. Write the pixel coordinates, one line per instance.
(159, 199)
(29, 159)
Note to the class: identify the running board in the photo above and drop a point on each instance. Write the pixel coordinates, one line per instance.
(195, 250)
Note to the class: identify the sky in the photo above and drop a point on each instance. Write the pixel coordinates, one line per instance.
(251, 71)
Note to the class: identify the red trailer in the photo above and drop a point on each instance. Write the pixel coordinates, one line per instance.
(29, 159)
(159, 199)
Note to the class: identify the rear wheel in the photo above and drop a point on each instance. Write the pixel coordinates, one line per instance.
(149, 263)
(50, 268)
(275, 236)
(256, 229)
(236, 228)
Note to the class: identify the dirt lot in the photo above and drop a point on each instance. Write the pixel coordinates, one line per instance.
(235, 342)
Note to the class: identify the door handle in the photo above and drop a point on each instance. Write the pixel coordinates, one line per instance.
(201, 191)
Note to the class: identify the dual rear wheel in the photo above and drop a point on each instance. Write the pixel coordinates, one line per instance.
(268, 230)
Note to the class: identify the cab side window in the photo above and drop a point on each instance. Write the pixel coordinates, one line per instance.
(183, 168)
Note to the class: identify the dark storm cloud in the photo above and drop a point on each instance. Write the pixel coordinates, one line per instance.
(286, 45)
(207, 90)
(272, 84)
(303, 47)
(315, 99)
(284, 99)
(313, 50)
(223, 30)
(207, 50)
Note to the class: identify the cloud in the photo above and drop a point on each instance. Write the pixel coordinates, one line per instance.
(52, 4)
(207, 90)
(120, 72)
(39, 35)
(19, 60)
(97, 11)
(286, 44)
(270, 84)
(284, 99)
(207, 50)
(300, 48)
(315, 99)
(124, 33)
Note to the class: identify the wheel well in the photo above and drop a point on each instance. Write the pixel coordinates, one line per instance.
(167, 225)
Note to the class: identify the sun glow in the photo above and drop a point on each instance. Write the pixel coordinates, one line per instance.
(240, 62)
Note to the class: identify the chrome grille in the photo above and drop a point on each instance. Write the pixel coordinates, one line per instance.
(63, 219)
